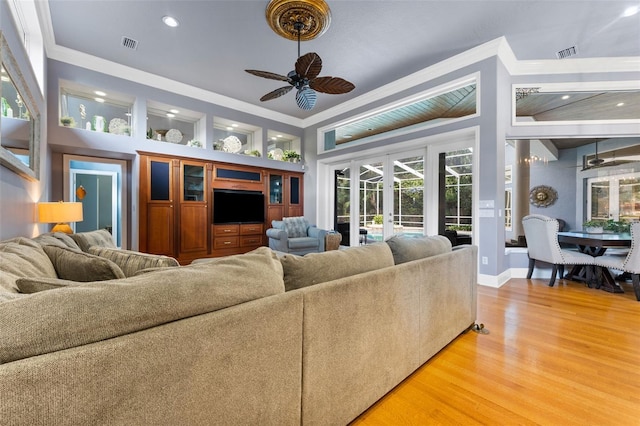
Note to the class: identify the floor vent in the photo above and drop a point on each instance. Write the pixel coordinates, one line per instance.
(129, 43)
(565, 53)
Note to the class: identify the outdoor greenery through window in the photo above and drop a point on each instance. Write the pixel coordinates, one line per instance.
(458, 190)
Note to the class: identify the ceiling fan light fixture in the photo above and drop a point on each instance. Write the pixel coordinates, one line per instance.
(306, 98)
(306, 19)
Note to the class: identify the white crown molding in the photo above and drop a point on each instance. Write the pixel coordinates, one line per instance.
(114, 69)
(577, 66)
(498, 47)
(103, 66)
(452, 64)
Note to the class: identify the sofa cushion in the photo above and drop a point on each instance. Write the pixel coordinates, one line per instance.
(303, 242)
(315, 268)
(80, 266)
(101, 238)
(406, 249)
(296, 227)
(132, 261)
(23, 257)
(34, 285)
(72, 316)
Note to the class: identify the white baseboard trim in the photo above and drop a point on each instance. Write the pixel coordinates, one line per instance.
(498, 281)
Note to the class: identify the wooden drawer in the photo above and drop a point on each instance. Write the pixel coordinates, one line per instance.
(250, 240)
(251, 229)
(221, 230)
(226, 242)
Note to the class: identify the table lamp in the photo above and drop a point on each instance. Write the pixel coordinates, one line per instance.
(61, 214)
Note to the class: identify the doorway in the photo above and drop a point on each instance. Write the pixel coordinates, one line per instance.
(98, 184)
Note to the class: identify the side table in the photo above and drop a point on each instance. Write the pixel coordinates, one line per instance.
(332, 241)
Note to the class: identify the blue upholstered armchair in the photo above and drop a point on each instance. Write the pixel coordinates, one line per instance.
(294, 235)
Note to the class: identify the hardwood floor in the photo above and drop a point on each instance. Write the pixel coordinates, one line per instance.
(563, 355)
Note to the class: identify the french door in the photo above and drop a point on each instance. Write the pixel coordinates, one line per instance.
(614, 197)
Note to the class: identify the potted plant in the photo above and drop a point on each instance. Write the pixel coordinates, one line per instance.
(595, 226)
(291, 156)
(617, 226)
(67, 121)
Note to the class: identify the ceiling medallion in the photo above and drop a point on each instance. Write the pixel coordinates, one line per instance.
(283, 15)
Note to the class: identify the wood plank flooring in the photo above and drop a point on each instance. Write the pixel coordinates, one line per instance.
(563, 355)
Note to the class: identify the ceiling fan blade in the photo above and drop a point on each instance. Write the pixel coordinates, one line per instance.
(332, 85)
(309, 66)
(276, 93)
(269, 75)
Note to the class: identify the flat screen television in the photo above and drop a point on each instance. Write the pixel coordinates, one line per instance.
(233, 206)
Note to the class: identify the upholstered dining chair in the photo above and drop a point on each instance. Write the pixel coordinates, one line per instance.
(541, 233)
(630, 263)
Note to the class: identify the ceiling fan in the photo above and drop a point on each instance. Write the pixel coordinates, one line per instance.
(305, 79)
(598, 162)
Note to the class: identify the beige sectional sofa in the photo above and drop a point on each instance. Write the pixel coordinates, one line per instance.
(247, 339)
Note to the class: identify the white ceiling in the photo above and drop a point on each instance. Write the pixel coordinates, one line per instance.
(370, 43)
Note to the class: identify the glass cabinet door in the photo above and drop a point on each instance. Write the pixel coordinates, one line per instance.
(193, 179)
(160, 181)
(294, 190)
(275, 189)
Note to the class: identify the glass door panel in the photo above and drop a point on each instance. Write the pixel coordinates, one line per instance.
(408, 195)
(458, 190)
(629, 208)
(275, 189)
(193, 178)
(599, 201)
(371, 205)
(342, 204)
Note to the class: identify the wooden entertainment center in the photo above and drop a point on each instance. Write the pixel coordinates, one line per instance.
(177, 206)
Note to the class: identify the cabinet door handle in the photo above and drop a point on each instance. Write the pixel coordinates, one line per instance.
(227, 230)
(227, 242)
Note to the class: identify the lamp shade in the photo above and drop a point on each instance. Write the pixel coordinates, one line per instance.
(60, 213)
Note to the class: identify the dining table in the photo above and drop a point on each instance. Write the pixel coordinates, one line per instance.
(595, 244)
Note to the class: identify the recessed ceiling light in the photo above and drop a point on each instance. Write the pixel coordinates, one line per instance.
(170, 21)
(274, 138)
(620, 104)
(565, 97)
(100, 93)
(229, 128)
(170, 115)
(630, 11)
(128, 114)
(99, 100)
(278, 136)
(348, 136)
(174, 111)
(234, 125)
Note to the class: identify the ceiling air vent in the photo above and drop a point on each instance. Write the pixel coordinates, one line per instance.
(129, 43)
(565, 53)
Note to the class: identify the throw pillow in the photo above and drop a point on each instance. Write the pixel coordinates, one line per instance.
(80, 266)
(101, 238)
(315, 268)
(132, 261)
(23, 257)
(296, 227)
(51, 240)
(406, 249)
(90, 312)
(34, 285)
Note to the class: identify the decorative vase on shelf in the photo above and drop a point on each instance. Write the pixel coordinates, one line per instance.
(98, 123)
